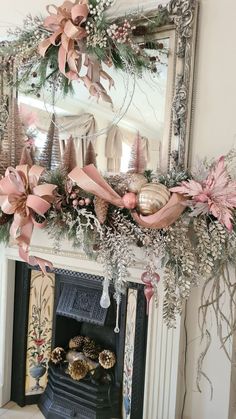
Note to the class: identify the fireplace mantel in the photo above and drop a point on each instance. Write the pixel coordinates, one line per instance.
(162, 344)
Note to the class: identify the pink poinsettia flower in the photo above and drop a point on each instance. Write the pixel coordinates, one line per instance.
(216, 195)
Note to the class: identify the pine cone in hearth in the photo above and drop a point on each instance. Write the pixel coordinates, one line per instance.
(91, 351)
(78, 369)
(57, 355)
(76, 343)
(107, 359)
(88, 340)
(101, 209)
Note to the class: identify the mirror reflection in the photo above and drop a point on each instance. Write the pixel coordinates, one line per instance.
(138, 110)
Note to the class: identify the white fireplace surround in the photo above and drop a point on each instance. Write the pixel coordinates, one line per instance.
(162, 360)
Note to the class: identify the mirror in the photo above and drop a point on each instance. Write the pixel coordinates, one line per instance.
(156, 106)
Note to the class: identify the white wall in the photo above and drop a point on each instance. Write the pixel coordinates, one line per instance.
(214, 133)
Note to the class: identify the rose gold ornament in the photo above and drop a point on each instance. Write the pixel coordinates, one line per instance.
(87, 201)
(152, 197)
(129, 200)
(75, 202)
(136, 182)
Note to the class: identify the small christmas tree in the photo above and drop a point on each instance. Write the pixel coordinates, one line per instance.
(90, 156)
(137, 163)
(27, 156)
(13, 140)
(50, 157)
(69, 155)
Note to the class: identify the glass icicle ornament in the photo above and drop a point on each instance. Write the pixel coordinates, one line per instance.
(105, 301)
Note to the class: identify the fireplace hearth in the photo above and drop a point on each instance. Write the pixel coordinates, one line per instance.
(77, 312)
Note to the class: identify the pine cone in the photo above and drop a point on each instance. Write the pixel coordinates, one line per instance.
(107, 359)
(88, 340)
(57, 355)
(91, 351)
(76, 343)
(101, 208)
(78, 369)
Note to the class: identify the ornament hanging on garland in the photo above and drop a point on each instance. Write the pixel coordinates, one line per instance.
(152, 197)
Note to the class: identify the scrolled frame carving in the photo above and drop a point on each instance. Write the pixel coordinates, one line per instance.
(183, 14)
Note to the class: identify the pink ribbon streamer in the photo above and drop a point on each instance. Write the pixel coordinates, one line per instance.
(69, 36)
(66, 29)
(22, 197)
(90, 180)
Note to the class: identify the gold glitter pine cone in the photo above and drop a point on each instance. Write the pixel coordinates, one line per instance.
(107, 359)
(57, 355)
(76, 343)
(101, 209)
(78, 369)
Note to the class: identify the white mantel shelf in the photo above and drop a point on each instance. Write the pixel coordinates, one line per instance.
(162, 344)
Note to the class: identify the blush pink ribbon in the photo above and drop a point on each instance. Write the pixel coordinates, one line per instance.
(22, 197)
(90, 180)
(66, 29)
(69, 36)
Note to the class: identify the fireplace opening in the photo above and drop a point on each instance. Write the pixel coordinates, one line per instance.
(102, 394)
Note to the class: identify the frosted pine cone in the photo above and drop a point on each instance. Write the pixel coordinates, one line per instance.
(76, 343)
(101, 209)
(57, 355)
(78, 369)
(107, 359)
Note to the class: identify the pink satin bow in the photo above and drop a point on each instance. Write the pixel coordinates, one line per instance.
(22, 197)
(90, 180)
(66, 29)
(69, 36)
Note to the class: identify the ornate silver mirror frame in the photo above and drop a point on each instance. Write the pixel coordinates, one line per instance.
(180, 28)
(183, 18)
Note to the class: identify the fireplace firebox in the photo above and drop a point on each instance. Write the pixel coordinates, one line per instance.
(77, 312)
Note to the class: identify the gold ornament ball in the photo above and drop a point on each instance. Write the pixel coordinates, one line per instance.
(136, 182)
(152, 197)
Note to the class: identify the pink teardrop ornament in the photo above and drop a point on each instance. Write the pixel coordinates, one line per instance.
(148, 292)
